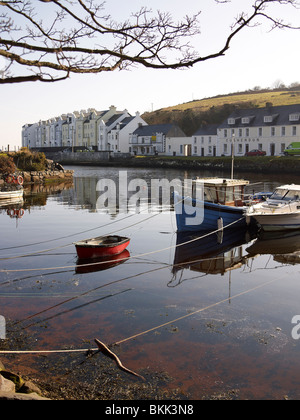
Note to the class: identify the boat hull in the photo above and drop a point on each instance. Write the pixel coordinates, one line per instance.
(278, 222)
(90, 249)
(11, 194)
(208, 215)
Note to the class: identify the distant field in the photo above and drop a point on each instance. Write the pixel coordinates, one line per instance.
(259, 99)
(192, 115)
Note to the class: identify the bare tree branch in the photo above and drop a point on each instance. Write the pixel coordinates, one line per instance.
(77, 36)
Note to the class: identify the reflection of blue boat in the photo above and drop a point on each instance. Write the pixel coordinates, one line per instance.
(218, 199)
(211, 253)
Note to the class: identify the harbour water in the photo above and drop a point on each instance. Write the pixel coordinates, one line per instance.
(216, 316)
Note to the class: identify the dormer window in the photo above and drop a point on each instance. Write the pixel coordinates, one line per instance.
(294, 117)
(268, 118)
(231, 121)
(245, 120)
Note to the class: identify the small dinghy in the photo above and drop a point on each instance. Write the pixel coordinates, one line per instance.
(101, 246)
(9, 194)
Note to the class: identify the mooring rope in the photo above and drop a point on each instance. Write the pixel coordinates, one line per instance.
(145, 331)
(129, 257)
(70, 244)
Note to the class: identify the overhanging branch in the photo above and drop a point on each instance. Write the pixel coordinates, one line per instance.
(79, 38)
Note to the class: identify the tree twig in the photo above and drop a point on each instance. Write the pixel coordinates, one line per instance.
(107, 352)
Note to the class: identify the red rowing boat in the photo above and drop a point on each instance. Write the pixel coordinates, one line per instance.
(101, 246)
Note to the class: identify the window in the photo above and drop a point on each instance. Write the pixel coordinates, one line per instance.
(272, 131)
(294, 117)
(225, 148)
(294, 130)
(195, 149)
(247, 132)
(231, 121)
(245, 120)
(268, 118)
(240, 148)
(240, 132)
(225, 133)
(283, 131)
(260, 131)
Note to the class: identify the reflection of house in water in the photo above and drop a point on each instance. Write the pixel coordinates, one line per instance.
(211, 253)
(86, 194)
(120, 194)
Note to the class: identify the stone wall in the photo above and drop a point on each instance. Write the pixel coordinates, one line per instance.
(40, 177)
(46, 176)
(77, 158)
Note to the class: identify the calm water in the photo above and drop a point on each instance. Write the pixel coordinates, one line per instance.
(216, 314)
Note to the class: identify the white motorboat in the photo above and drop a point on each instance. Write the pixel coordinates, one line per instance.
(280, 212)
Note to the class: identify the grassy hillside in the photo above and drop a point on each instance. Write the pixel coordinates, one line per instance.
(192, 115)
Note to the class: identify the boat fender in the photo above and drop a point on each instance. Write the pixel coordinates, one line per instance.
(220, 223)
(220, 230)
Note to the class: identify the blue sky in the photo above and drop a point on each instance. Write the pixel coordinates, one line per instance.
(258, 57)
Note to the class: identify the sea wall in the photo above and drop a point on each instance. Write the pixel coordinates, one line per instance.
(261, 164)
(79, 158)
(265, 164)
(40, 177)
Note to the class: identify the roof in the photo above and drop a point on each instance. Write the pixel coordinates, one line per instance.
(222, 181)
(207, 130)
(122, 123)
(255, 117)
(291, 187)
(152, 130)
(112, 119)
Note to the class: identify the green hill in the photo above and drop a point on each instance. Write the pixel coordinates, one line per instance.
(192, 115)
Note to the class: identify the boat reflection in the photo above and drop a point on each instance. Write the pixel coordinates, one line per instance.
(214, 253)
(84, 266)
(284, 246)
(13, 207)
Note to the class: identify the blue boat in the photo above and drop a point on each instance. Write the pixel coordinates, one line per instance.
(212, 203)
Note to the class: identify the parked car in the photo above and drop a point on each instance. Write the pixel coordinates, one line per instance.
(255, 152)
(293, 149)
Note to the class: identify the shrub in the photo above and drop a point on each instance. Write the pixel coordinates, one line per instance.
(7, 165)
(30, 161)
